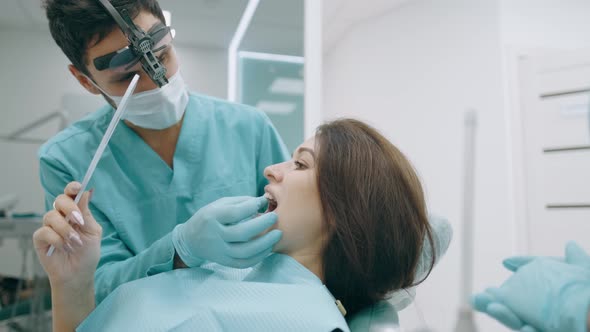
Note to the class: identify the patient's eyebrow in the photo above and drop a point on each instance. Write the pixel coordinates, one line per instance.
(303, 149)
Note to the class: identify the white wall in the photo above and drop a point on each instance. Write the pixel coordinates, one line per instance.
(555, 24)
(204, 69)
(411, 73)
(34, 78)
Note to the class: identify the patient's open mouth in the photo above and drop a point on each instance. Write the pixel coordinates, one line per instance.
(272, 203)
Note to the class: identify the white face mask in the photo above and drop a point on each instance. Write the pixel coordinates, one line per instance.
(159, 108)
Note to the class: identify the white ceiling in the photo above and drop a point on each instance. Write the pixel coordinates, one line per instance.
(277, 26)
(209, 23)
(340, 16)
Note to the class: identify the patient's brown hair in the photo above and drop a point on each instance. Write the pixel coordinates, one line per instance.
(375, 213)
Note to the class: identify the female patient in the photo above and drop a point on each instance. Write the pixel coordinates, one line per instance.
(353, 219)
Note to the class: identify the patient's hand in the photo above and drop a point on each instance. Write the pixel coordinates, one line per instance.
(75, 234)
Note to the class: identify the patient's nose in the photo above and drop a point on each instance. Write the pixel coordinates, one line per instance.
(274, 173)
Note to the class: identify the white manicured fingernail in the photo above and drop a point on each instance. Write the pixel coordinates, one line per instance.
(78, 217)
(50, 251)
(76, 238)
(68, 248)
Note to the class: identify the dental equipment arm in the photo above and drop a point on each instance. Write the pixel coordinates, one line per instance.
(8, 202)
(16, 135)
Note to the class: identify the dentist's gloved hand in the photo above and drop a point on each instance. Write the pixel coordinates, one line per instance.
(543, 294)
(224, 232)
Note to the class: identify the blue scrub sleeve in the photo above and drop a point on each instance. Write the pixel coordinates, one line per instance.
(117, 263)
(272, 150)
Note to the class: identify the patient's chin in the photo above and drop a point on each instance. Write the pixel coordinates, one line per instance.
(281, 247)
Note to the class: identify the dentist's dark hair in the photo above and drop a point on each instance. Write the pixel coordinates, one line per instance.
(374, 211)
(77, 25)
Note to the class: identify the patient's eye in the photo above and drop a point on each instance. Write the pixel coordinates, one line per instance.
(299, 165)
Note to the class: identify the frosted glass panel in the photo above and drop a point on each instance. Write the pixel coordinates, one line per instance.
(276, 87)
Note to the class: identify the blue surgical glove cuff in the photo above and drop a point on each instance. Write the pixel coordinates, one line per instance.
(181, 250)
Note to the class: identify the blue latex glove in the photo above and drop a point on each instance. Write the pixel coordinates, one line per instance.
(546, 294)
(223, 232)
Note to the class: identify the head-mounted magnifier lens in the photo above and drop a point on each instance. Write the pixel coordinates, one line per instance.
(125, 59)
(142, 47)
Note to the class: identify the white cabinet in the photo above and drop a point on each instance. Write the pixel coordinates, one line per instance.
(555, 95)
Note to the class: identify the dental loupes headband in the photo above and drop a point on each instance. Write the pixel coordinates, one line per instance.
(142, 47)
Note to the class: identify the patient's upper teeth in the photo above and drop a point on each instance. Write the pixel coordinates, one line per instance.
(269, 197)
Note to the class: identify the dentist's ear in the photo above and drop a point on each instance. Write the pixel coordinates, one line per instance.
(83, 80)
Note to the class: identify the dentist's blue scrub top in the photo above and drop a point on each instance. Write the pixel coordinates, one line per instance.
(138, 199)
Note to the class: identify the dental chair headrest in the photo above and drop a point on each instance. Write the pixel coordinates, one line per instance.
(382, 316)
(442, 233)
